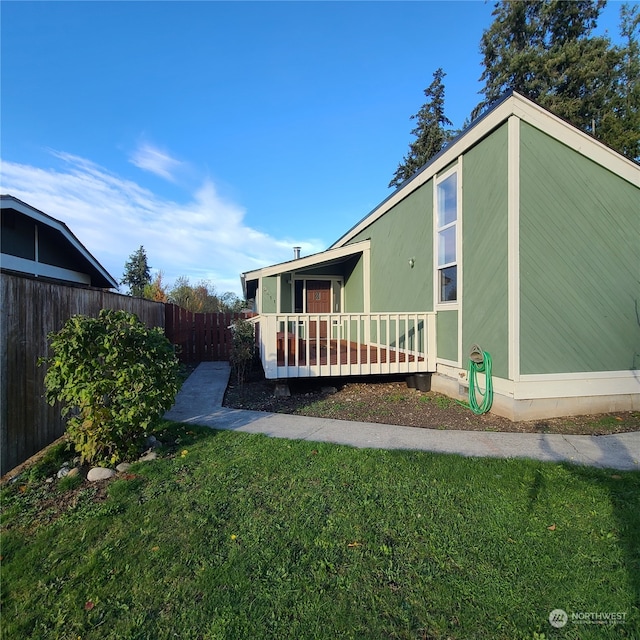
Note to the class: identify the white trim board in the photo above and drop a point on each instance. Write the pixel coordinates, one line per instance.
(555, 385)
(31, 267)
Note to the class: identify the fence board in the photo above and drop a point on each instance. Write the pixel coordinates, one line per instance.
(201, 337)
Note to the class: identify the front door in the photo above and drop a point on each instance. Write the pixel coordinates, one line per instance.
(318, 301)
(318, 296)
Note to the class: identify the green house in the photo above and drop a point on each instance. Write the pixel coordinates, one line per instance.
(522, 236)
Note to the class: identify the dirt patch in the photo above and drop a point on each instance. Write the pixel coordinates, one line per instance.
(390, 401)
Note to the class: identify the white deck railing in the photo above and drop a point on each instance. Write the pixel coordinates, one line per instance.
(345, 344)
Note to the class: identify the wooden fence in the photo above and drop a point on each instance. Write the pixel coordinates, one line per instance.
(30, 310)
(201, 337)
(33, 308)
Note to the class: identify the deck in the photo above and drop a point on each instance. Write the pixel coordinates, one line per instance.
(336, 351)
(307, 345)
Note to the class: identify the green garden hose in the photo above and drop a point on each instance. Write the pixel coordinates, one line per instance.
(480, 365)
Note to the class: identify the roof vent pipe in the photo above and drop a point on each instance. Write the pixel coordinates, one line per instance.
(296, 253)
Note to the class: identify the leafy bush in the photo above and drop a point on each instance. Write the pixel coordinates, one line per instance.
(243, 348)
(115, 378)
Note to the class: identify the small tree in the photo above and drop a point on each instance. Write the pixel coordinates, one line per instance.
(137, 274)
(156, 290)
(243, 348)
(115, 378)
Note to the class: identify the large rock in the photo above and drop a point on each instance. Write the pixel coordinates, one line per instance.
(100, 473)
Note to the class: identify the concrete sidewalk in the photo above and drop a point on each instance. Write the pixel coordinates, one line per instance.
(200, 402)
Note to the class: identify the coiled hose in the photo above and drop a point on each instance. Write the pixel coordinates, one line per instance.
(480, 365)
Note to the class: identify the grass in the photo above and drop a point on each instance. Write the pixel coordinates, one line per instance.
(241, 536)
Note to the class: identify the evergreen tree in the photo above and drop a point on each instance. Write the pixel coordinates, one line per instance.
(545, 50)
(136, 273)
(620, 124)
(431, 134)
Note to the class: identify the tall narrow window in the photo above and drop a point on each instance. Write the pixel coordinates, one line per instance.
(447, 217)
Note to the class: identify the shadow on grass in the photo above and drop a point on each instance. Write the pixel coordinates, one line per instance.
(623, 489)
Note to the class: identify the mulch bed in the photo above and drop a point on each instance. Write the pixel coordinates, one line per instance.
(390, 401)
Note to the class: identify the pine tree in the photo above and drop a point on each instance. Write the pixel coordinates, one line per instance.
(136, 273)
(620, 123)
(431, 134)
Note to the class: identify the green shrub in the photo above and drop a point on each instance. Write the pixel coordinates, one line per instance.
(243, 348)
(115, 378)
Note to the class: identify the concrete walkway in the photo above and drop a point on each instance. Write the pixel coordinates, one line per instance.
(200, 402)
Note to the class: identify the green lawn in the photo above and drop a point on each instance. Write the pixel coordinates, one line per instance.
(241, 536)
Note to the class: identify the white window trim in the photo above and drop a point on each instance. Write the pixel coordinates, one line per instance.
(457, 303)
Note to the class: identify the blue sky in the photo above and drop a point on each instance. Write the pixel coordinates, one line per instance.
(219, 135)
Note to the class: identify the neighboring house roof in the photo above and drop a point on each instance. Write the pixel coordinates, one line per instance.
(60, 256)
(511, 104)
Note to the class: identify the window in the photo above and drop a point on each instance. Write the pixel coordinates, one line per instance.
(447, 223)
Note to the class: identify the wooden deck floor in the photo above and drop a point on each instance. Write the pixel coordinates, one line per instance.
(337, 351)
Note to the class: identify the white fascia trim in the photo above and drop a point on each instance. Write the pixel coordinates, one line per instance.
(43, 218)
(529, 112)
(31, 267)
(308, 261)
(513, 246)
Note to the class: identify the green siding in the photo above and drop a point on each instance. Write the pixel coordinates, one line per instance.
(447, 335)
(317, 270)
(484, 248)
(353, 286)
(579, 262)
(286, 302)
(269, 294)
(404, 232)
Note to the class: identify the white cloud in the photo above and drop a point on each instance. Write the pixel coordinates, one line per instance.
(152, 159)
(203, 238)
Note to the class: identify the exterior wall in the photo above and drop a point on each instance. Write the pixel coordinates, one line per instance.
(447, 335)
(286, 297)
(579, 262)
(268, 294)
(484, 244)
(403, 233)
(354, 286)
(19, 237)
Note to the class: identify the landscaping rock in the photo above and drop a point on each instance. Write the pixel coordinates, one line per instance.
(73, 472)
(282, 391)
(152, 443)
(100, 473)
(150, 455)
(123, 467)
(64, 471)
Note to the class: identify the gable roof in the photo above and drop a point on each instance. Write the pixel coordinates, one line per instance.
(100, 277)
(511, 104)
